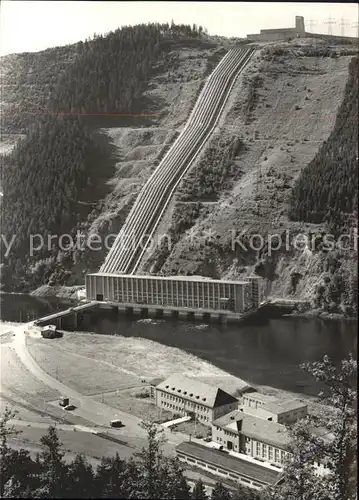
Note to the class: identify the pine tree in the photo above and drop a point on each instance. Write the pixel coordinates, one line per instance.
(53, 467)
(150, 461)
(341, 384)
(80, 479)
(299, 479)
(110, 477)
(220, 492)
(173, 482)
(199, 492)
(6, 453)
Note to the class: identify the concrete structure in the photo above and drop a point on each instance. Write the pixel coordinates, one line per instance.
(184, 395)
(271, 35)
(272, 409)
(225, 466)
(71, 314)
(252, 436)
(136, 235)
(179, 293)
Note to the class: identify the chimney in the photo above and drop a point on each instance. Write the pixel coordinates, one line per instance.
(299, 24)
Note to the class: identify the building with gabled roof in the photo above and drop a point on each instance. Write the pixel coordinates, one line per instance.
(252, 436)
(184, 395)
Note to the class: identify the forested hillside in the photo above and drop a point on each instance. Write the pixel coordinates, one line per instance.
(55, 177)
(50, 182)
(28, 80)
(327, 189)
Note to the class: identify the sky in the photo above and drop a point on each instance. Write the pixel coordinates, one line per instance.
(29, 26)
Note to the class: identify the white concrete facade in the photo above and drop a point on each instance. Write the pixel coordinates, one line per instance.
(175, 291)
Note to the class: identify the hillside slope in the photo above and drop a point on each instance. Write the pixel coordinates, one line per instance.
(138, 82)
(282, 110)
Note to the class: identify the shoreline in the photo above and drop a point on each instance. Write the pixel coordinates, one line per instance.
(70, 293)
(141, 357)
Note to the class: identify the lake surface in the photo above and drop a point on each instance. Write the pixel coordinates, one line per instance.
(265, 352)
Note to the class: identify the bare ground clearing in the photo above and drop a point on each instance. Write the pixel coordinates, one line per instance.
(112, 367)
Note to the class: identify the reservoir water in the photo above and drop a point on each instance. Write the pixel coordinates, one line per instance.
(265, 352)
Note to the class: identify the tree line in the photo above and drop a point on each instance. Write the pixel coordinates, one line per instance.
(149, 474)
(54, 177)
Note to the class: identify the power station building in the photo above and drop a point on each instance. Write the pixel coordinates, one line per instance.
(271, 35)
(276, 34)
(177, 292)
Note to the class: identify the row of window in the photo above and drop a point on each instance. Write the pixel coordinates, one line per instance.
(185, 287)
(172, 301)
(173, 407)
(187, 404)
(270, 453)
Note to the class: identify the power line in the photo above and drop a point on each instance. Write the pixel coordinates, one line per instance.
(312, 22)
(356, 25)
(330, 21)
(342, 24)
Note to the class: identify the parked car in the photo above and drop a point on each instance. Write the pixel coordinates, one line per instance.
(207, 439)
(69, 407)
(116, 423)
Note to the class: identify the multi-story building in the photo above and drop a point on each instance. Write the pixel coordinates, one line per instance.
(184, 396)
(189, 292)
(252, 436)
(272, 409)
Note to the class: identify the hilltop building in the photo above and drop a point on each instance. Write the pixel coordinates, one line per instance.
(272, 35)
(184, 395)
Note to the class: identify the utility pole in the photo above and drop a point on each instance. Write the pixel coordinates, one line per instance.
(330, 21)
(312, 23)
(342, 24)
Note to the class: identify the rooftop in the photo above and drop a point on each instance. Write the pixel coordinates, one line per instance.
(196, 391)
(229, 463)
(257, 428)
(156, 381)
(284, 406)
(265, 398)
(275, 405)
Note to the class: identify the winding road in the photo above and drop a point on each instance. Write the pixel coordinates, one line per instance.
(131, 435)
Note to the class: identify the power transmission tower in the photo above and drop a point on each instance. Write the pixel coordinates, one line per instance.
(330, 21)
(312, 23)
(342, 24)
(356, 25)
